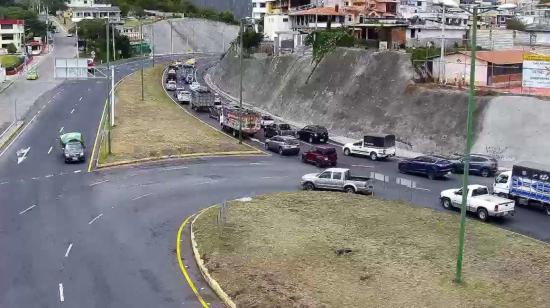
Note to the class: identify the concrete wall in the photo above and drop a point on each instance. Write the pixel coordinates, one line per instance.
(352, 92)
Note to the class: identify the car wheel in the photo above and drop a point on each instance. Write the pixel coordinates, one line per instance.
(310, 139)
(482, 214)
(281, 152)
(431, 175)
(485, 172)
(349, 189)
(446, 203)
(319, 164)
(347, 152)
(309, 186)
(400, 169)
(266, 146)
(373, 156)
(548, 210)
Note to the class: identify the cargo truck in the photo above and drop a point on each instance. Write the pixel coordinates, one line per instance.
(229, 120)
(201, 99)
(528, 183)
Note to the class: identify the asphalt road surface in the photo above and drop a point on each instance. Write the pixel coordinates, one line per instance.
(107, 238)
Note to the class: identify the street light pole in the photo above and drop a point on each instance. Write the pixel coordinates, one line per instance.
(153, 42)
(442, 56)
(469, 124)
(141, 54)
(114, 49)
(107, 42)
(77, 51)
(241, 83)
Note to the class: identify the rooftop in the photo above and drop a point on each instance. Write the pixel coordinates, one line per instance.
(321, 11)
(96, 9)
(500, 56)
(12, 22)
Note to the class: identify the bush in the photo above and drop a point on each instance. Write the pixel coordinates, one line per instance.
(11, 48)
(251, 39)
(10, 62)
(515, 24)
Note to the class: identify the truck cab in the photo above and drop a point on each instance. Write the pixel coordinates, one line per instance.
(375, 146)
(479, 201)
(501, 187)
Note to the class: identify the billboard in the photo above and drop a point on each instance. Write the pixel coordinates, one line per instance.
(536, 71)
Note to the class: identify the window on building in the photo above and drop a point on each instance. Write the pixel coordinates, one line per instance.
(7, 37)
(254, 4)
(285, 19)
(418, 3)
(7, 27)
(262, 4)
(413, 33)
(349, 18)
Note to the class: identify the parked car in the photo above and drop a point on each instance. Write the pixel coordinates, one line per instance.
(337, 179)
(313, 133)
(281, 129)
(283, 145)
(184, 96)
(528, 183)
(483, 165)
(430, 166)
(375, 146)
(266, 120)
(320, 156)
(478, 201)
(171, 85)
(178, 63)
(195, 86)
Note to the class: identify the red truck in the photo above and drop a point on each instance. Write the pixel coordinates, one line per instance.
(229, 120)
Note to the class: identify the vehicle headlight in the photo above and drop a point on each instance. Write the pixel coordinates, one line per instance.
(315, 135)
(326, 158)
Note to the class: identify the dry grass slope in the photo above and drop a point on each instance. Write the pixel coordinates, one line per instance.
(279, 251)
(157, 127)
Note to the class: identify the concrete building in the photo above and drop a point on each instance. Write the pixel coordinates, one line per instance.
(422, 35)
(307, 20)
(275, 23)
(12, 31)
(94, 12)
(82, 3)
(259, 8)
(493, 68)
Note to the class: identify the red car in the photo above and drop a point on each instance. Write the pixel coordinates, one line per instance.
(320, 156)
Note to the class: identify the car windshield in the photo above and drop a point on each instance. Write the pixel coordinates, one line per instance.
(291, 141)
(267, 118)
(73, 146)
(284, 127)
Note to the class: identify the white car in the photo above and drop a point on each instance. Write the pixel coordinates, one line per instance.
(171, 85)
(195, 86)
(184, 96)
(478, 201)
(266, 121)
(178, 63)
(375, 146)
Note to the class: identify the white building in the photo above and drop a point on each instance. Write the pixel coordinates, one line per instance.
(84, 3)
(93, 12)
(274, 24)
(12, 31)
(259, 8)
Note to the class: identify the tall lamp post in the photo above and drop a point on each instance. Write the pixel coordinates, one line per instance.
(241, 34)
(469, 126)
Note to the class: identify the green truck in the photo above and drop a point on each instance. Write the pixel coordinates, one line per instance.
(73, 147)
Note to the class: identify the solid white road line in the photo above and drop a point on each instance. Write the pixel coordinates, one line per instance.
(142, 196)
(362, 166)
(27, 209)
(96, 218)
(61, 296)
(97, 183)
(50, 150)
(77, 171)
(420, 188)
(68, 250)
(61, 129)
(175, 168)
(72, 111)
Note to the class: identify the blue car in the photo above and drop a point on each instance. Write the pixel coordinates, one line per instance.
(430, 166)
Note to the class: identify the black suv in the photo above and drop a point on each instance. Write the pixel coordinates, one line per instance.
(483, 165)
(313, 133)
(281, 129)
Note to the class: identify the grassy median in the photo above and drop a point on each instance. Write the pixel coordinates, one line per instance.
(323, 249)
(156, 127)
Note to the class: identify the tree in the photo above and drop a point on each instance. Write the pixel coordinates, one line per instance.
(251, 38)
(515, 24)
(11, 48)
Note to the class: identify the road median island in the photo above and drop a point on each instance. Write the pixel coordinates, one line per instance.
(322, 249)
(157, 128)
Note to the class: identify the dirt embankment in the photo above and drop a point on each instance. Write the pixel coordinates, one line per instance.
(352, 92)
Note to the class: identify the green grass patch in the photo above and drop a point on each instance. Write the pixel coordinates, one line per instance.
(280, 250)
(10, 61)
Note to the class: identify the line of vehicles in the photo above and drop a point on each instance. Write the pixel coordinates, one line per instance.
(527, 183)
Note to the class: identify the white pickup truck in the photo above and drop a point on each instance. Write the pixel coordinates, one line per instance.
(375, 146)
(479, 201)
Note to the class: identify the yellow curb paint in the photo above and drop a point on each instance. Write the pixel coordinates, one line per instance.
(204, 271)
(97, 137)
(182, 267)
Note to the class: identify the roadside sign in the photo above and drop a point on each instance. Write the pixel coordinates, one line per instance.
(536, 71)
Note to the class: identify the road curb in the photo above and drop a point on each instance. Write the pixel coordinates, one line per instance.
(5, 85)
(214, 285)
(180, 156)
(10, 132)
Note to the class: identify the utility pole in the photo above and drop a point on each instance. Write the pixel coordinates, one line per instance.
(241, 83)
(141, 54)
(442, 56)
(77, 51)
(110, 126)
(171, 42)
(114, 49)
(469, 126)
(153, 42)
(107, 42)
(112, 96)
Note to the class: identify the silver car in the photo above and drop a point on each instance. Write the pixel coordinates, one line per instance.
(283, 145)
